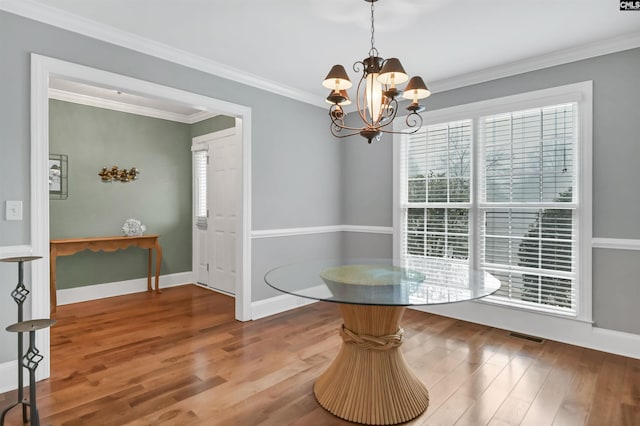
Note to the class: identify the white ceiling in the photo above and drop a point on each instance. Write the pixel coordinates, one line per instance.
(294, 43)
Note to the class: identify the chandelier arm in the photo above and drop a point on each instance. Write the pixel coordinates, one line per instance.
(337, 122)
(414, 120)
(335, 133)
(388, 117)
(400, 132)
(384, 114)
(336, 113)
(341, 126)
(394, 105)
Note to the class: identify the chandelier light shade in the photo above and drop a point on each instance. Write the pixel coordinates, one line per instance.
(337, 79)
(415, 90)
(377, 94)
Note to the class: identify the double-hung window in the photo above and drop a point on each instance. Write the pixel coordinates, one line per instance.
(504, 186)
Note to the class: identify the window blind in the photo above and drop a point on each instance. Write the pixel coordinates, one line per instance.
(522, 223)
(437, 175)
(527, 208)
(200, 172)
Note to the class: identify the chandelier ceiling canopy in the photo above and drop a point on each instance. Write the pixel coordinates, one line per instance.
(376, 94)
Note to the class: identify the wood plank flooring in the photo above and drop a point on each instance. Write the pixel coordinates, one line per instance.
(180, 358)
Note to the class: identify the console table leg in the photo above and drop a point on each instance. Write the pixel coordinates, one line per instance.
(158, 266)
(149, 269)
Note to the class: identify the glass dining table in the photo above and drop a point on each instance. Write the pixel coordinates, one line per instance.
(369, 381)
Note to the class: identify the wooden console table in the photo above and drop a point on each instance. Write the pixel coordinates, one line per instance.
(69, 246)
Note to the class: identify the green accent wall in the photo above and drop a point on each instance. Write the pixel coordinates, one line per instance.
(213, 124)
(160, 198)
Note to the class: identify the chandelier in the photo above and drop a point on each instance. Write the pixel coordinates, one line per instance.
(377, 94)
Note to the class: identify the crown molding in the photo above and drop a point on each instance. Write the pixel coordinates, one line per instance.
(200, 116)
(76, 98)
(558, 57)
(77, 24)
(68, 21)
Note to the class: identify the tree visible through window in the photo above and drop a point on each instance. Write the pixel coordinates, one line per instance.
(547, 245)
(438, 192)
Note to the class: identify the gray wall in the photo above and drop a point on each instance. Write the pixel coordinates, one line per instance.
(213, 124)
(296, 172)
(269, 253)
(9, 311)
(616, 278)
(368, 180)
(160, 198)
(616, 150)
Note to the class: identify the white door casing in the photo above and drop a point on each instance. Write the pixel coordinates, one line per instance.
(223, 209)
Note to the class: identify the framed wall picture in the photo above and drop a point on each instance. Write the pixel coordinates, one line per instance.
(58, 176)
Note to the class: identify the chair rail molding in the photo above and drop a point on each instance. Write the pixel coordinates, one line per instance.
(15, 251)
(616, 243)
(286, 232)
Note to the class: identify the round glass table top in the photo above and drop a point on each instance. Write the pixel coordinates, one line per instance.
(384, 282)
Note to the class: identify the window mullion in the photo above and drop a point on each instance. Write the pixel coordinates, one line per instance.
(475, 220)
(511, 158)
(448, 175)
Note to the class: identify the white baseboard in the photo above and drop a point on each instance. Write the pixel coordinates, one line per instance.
(101, 291)
(277, 304)
(545, 326)
(9, 376)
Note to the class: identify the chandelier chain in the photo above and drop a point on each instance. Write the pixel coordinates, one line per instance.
(373, 51)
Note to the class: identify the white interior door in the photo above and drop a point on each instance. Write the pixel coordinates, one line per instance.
(217, 198)
(223, 200)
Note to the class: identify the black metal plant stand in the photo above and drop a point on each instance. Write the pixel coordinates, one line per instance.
(32, 358)
(30, 361)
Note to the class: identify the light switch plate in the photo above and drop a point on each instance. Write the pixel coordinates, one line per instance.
(13, 210)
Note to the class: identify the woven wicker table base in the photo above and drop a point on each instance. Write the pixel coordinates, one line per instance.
(369, 382)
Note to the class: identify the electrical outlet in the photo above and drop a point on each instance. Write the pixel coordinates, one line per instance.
(13, 210)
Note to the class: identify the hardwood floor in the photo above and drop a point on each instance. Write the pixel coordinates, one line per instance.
(179, 358)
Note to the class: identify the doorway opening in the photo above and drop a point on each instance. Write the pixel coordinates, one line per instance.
(42, 69)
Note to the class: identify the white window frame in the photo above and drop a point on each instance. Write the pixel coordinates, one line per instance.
(582, 93)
